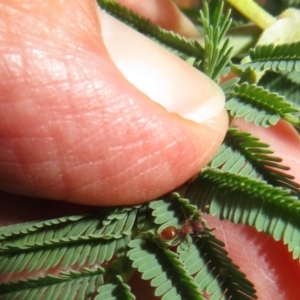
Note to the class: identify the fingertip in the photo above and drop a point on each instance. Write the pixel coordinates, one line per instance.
(89, 136)
(159, 74)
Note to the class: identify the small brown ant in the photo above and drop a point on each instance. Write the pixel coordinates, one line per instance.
(193, 226)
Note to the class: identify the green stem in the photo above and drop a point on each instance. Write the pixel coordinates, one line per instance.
(253, 12)
(292, 119)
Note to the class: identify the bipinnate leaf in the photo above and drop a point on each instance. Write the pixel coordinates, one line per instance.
(283, 85)
(251, 202)
(216, 52)
(277, 58)
(260, 106)
(117, 290)
(172, 211)
(73, 285)
(164, 269)
(203, 256)
(244, 154)
(95, 238)
(24, 228)
(213, 270)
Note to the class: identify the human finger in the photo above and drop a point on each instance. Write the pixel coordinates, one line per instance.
(74, 128)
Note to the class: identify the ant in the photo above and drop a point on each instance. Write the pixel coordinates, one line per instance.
(193, 226)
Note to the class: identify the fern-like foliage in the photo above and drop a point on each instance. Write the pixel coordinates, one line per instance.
(164, 269)
(118, 290)
(216, 56)
(206, 260)
(278, 58)
(68, 286)
(92, 239)
(243, 154)
(178, 44)
(94, 254)
(21, 229)
(241, 199)
(260, 106)
(228, 86)
(284, 85)
(112, 241)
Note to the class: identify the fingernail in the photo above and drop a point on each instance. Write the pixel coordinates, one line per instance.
(161, 75)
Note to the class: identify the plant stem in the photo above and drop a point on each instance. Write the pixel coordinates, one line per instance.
(292, 119)
(253, 12)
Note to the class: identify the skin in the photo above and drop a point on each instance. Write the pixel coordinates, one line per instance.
(96, 137)
(58, 77)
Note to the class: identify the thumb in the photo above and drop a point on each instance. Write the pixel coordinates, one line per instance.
(74, 128)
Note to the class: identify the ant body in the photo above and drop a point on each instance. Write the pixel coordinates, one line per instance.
(193, 226)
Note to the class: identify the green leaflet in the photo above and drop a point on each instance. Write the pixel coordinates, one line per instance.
(21, 229)
(149, 255)
(278, 58)
(68, 286)
(260, 106)
(92, 239)
(255, 203)
(293, 77)
(216, 56)
(243, 154)
(171, 278)
(164, 269)
(283, 85)
(175, 42)
(117, 290)
(228, 86)
(170, 213)
(204, 257)
(208, 262)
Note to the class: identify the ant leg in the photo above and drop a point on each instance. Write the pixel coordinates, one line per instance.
(203, 210)
(185, 217)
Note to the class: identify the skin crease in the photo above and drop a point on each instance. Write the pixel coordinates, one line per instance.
(266, 263)
(94, 135)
